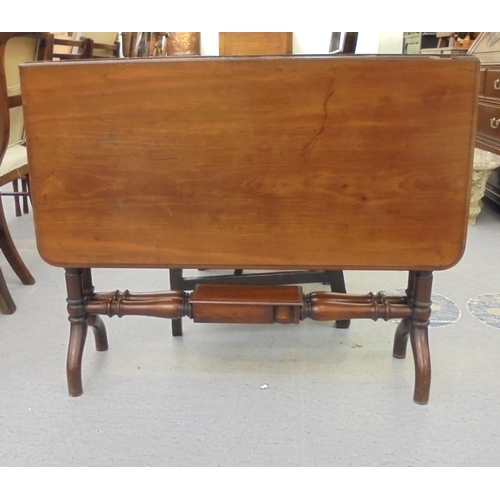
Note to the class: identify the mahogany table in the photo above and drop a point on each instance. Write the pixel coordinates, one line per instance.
(298, 162)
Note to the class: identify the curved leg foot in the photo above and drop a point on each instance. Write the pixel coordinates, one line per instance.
(7, 305)
(11, 253)
(77, 338)
(401, 339)
(421, 355)
(78, 319)
(419, 324)
(99, 328)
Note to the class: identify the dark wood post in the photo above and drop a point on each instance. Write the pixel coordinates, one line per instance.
(93, 320)
(419, 323)
(403, 329)
(176, 284)
(78, 330)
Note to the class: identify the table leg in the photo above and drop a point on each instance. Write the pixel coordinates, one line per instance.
(403, 329)
(419, 324)
(94, 320)
(78, 330)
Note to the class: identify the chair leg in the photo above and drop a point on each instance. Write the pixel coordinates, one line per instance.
(176, 284)
(25, 189)
(7, 305)
(11, 253)
(15, 189)
(337, 284)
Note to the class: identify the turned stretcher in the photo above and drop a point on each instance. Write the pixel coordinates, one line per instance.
(252, 163)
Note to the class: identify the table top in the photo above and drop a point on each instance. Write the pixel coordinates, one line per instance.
(252, 162)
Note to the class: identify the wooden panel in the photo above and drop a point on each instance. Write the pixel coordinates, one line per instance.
(253, 163)
(255, 43)
(247, 294)
(246, 304)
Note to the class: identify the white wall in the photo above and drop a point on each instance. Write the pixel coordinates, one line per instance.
(390, 42)
(304, 42)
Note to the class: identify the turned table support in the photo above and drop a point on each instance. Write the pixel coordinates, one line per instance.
(251, 304)
(416, 328)
(80, 289)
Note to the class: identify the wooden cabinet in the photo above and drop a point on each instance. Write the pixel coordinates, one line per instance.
(487, 49)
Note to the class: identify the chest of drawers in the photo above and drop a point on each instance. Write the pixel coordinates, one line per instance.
(487, 49)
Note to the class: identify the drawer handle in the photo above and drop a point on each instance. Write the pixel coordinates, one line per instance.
(495, 123)
(496, 84)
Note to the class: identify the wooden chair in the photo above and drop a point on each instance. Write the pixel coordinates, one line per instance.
(15, 48)
(251, 44)
(104, 45)
(279, 163)
(66, 49)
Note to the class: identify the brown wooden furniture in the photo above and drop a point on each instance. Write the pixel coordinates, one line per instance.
(253, 163)
(14, 48)
(487, 49)
(255, 43)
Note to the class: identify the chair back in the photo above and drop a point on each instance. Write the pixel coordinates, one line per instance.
(86, 45)
(16, 48)
(68, 49)
(104, 43)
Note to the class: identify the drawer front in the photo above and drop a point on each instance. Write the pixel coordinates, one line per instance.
(488, 122)
(491, 86)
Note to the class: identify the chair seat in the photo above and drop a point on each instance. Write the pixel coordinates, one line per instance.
(15, 158)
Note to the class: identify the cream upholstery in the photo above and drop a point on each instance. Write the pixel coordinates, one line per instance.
(15, 158)
(17, 51)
